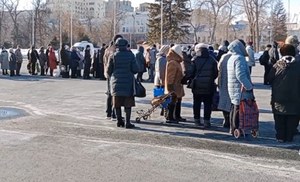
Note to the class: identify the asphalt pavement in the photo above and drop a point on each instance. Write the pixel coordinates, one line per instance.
(54, 129)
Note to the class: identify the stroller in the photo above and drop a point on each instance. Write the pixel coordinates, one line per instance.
(160, 100)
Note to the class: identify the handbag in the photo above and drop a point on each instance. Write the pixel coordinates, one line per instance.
(138, 89)
(191, 83)
(248, 114)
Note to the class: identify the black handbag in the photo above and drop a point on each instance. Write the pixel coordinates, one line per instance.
(191, 83)
(138, 89)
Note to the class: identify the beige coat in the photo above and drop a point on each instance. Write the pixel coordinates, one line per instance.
(107, 55)
(174, 74)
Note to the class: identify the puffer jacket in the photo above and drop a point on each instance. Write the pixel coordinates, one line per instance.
(238, 73)
(160, 70)
(140, 60)
(174, 75)
(285, 80)
(205, 71)
(121, 69)
(12, 61)
(250, 58)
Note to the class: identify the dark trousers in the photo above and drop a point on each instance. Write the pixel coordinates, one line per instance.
(12, 72)
(87, 69)
(127, 112)
(250, 69)
(207, 100)
(4, 72)
(226, 122)
(234, 117)
(285, 126)
(151, 70)
(267, 71)
(32, 69)
(109, 108)
(101, 71)
(19, 65)
(178, 108)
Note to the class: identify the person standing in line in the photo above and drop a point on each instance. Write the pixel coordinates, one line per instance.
(33, 57)
(12, 62)
(43, 60)
(204, 73)
(141, 62)
(264, 60)
(52, 61)
(173, 78)
(285, 100)
(87, 62)
(19, 58)
(273, 53)
(239, 80)
(223, 49)
(4, 61)
(100, 54)
(152, 54)
(75, 58)
(293, 40)
(250, 56)
(65, 61)
(109, 52)
(224, 102)
(121, 69)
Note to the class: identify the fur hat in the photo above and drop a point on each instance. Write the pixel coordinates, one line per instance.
(200, 46)
(293, 40)
(177, 49)
(164, 49)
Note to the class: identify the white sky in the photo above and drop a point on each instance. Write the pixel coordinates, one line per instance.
(294, 4)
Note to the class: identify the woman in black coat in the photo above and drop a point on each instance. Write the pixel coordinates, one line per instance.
(285, 80)
(121, 69)
(87, 63)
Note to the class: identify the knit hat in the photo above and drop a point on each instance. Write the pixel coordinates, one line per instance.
(293, 40)
(200, 46)
(177, 49)
(164, 49)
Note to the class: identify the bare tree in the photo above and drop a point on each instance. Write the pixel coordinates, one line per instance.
(12, 7)
(253, 9)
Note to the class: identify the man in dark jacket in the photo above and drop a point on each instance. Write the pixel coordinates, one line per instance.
(87, 62)
(74, 62)
(204, 73)
(33, 56)
(65, 61)
(264, 60)
(99, 64)
(285, 80)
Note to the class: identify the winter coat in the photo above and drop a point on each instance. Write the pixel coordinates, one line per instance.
(250, 58)
(12, 61)
(285, 80)
(121, 69)
(174, 75)
(153, 52)
(43, 59)
(75, 58)
(52, 59)
(224, 101)
(238, 73)
(32, 56)
(264, 59)
(140, 60)
(87, 57)
(204, 73)
(4, 60)
(109, 52)
(19, 56)
(160, 70)
(64, 57)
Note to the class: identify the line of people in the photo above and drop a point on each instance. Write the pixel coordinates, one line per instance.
(11, 60)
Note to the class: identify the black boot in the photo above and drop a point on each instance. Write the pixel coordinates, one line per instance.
(170, 118)
(120, 122)
(226, 123)
(128, 115)
(178, 112)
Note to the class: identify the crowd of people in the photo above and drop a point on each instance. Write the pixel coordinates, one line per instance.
(205, 72)
(172, 67)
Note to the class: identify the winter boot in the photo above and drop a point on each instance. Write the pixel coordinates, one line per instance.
(128, 115)
(207, 124)
(226, 123)
(170, 118)
(178, 112)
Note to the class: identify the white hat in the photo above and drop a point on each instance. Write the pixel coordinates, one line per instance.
(177, 49)
(164, 49)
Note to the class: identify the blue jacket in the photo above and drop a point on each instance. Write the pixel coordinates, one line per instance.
(121, 69)
(238, 73)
